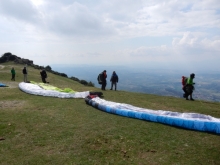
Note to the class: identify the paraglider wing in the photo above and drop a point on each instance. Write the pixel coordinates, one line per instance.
(193, 121)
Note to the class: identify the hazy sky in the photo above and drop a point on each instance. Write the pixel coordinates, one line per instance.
(159, 33)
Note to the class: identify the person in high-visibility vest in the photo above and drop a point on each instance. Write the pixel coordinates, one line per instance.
(190, 87)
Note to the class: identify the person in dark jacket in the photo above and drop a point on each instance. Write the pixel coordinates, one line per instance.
(25, 74)
(189, 87)
(103, 77)
(43, 74)
(114, 80)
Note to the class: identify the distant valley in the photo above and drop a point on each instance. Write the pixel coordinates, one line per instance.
(158, 82)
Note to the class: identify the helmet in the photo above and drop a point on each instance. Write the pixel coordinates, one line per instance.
(192, 75)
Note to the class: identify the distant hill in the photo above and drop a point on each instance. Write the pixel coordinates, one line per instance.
(9, 57)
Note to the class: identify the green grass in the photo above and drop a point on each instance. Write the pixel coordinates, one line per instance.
(44, 130)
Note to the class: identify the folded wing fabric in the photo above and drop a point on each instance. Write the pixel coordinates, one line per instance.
(49, 90)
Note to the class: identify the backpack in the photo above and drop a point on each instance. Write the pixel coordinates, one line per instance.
(114, 78)
(184, 80)
(99, 78)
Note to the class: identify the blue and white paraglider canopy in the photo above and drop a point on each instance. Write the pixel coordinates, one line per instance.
(193, 121)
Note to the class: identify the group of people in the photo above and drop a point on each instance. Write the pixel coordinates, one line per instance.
(102, 80)
(43, 74)
(187, 88)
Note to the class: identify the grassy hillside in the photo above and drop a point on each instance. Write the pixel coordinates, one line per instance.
(45, 130)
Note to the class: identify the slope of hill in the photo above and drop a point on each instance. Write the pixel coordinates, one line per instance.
(46, 130)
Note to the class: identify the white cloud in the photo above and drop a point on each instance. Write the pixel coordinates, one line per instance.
(22, 10)
(204, 44)
(78, 30)
(188, 39)
(37, 2)
(77, 20)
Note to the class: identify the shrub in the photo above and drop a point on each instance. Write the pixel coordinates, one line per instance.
(83, 82)
(48, 68)
(12, 58)
(91, 84)
(63, 75)
(3, 59)
(74, 79)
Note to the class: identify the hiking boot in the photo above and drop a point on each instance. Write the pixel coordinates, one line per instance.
(187, 98)
(110, 89)
(191, 99)
(184, 95)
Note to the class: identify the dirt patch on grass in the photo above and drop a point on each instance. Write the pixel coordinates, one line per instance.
(10, 84)
(1, 66)
(11, 104)
(2, 70)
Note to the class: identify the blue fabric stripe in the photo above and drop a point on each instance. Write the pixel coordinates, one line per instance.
(206, 126)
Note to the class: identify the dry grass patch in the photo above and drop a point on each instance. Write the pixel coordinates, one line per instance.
(2, 66)
(10, 84)
(11, 104)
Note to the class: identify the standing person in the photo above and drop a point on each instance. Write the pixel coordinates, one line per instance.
(114, 80)
(190, 87)
(43, 74)
(25, 74)
(12, 73)
(103, 79)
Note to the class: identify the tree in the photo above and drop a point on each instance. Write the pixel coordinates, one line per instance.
(48, 68)
(84, 82)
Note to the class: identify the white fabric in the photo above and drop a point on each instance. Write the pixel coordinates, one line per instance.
(188, 116)
(37, 90)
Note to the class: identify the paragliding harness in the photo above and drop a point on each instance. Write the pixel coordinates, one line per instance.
(100, 78)
(184, 81)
